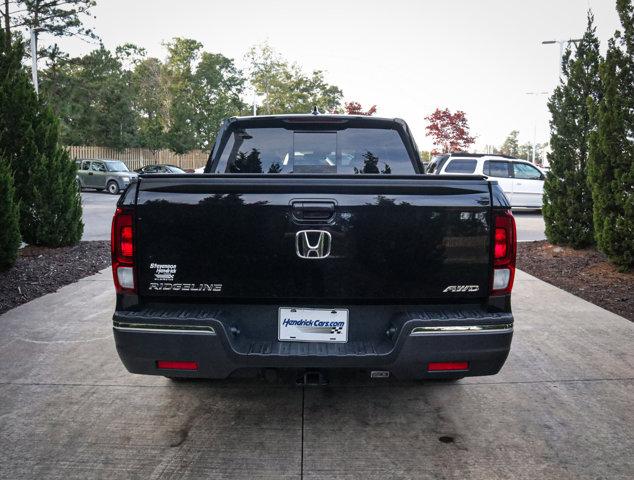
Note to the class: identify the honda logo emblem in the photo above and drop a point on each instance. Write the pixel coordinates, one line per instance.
(312, 244)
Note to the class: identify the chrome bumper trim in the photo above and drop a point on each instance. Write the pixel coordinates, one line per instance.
(501, 328)
(157, 328)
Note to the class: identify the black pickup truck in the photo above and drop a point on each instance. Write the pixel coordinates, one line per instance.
(310, 243)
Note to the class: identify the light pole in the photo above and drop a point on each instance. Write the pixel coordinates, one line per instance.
(535, 124)
(561, 47)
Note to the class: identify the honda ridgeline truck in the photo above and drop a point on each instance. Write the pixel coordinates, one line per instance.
(311, 243)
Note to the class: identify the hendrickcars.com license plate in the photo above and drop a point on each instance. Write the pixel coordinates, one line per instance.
(313, 325)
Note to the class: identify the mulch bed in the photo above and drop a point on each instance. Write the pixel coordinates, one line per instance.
(41, 270)
(585, 273)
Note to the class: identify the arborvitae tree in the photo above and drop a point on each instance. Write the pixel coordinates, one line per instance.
(567, 197)
(9, 227)
(611, 164)
(44, 175)
(18, 112)
(55, 207)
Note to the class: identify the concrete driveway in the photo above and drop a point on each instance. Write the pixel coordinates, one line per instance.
(560, 409)
(99, 207)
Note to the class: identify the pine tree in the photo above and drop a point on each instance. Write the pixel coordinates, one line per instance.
(18, 111)
(44, 175)
(611, 164)
(54, 217)
(567, 197)
(9, 228)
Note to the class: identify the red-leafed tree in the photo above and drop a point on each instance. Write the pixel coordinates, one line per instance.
(450, 131)
(355, 108)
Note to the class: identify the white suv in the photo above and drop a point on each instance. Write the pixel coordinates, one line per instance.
(521, 181)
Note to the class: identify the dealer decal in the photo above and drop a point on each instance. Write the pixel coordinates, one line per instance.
(163, 271)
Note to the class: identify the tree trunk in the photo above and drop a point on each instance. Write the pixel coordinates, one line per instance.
(7, 23)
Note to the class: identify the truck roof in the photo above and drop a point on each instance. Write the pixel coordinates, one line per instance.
(307, 116)
(302, 118)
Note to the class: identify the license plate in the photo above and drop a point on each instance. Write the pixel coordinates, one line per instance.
(313, 325)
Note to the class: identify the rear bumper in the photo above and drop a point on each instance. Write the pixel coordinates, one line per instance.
(412, 341)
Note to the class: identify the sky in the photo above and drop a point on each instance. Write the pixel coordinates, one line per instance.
(408, 57)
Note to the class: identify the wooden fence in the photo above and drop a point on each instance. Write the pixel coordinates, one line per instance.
(138, 157)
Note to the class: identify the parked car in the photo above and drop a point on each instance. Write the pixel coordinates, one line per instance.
(313, 243)
(521, 181)
(160, 169)
(111, 175)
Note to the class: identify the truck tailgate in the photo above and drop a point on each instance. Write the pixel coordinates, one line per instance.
(239, 237)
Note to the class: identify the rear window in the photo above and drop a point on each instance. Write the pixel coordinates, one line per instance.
(495, 168)
(526, 171)
(117, 167)
(461, 166)
(350, 151)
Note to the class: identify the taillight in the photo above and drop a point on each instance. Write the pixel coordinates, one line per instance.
(504, 248)
(122, 249)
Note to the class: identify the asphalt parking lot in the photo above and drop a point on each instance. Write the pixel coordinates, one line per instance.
(99, 207)
(560, 409)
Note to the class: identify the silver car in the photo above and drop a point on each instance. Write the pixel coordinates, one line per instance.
(112, 175)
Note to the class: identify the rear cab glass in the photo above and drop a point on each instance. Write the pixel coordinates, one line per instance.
(458, 165)
(344, 151)
(526, 171)
(496, 168)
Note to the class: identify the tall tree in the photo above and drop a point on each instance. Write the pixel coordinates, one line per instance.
(50, 206)
(18, 111)
(202, 89)
(94, 96)
(511, 145)
(285, 87)
(54, 213)
(355, 108)
(151, 102)
(611, 162)
(449, 131)
(183, 54)
(567, 197)
(60, 18)
(218, 86)
(57, 18)
(525, 151)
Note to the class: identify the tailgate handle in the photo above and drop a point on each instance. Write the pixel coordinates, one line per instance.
(312, 211)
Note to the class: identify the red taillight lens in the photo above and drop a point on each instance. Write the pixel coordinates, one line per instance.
(122, 248)
(127, 247)
(447, 366)
(504, 249)
(176, 365)
(500, 243)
